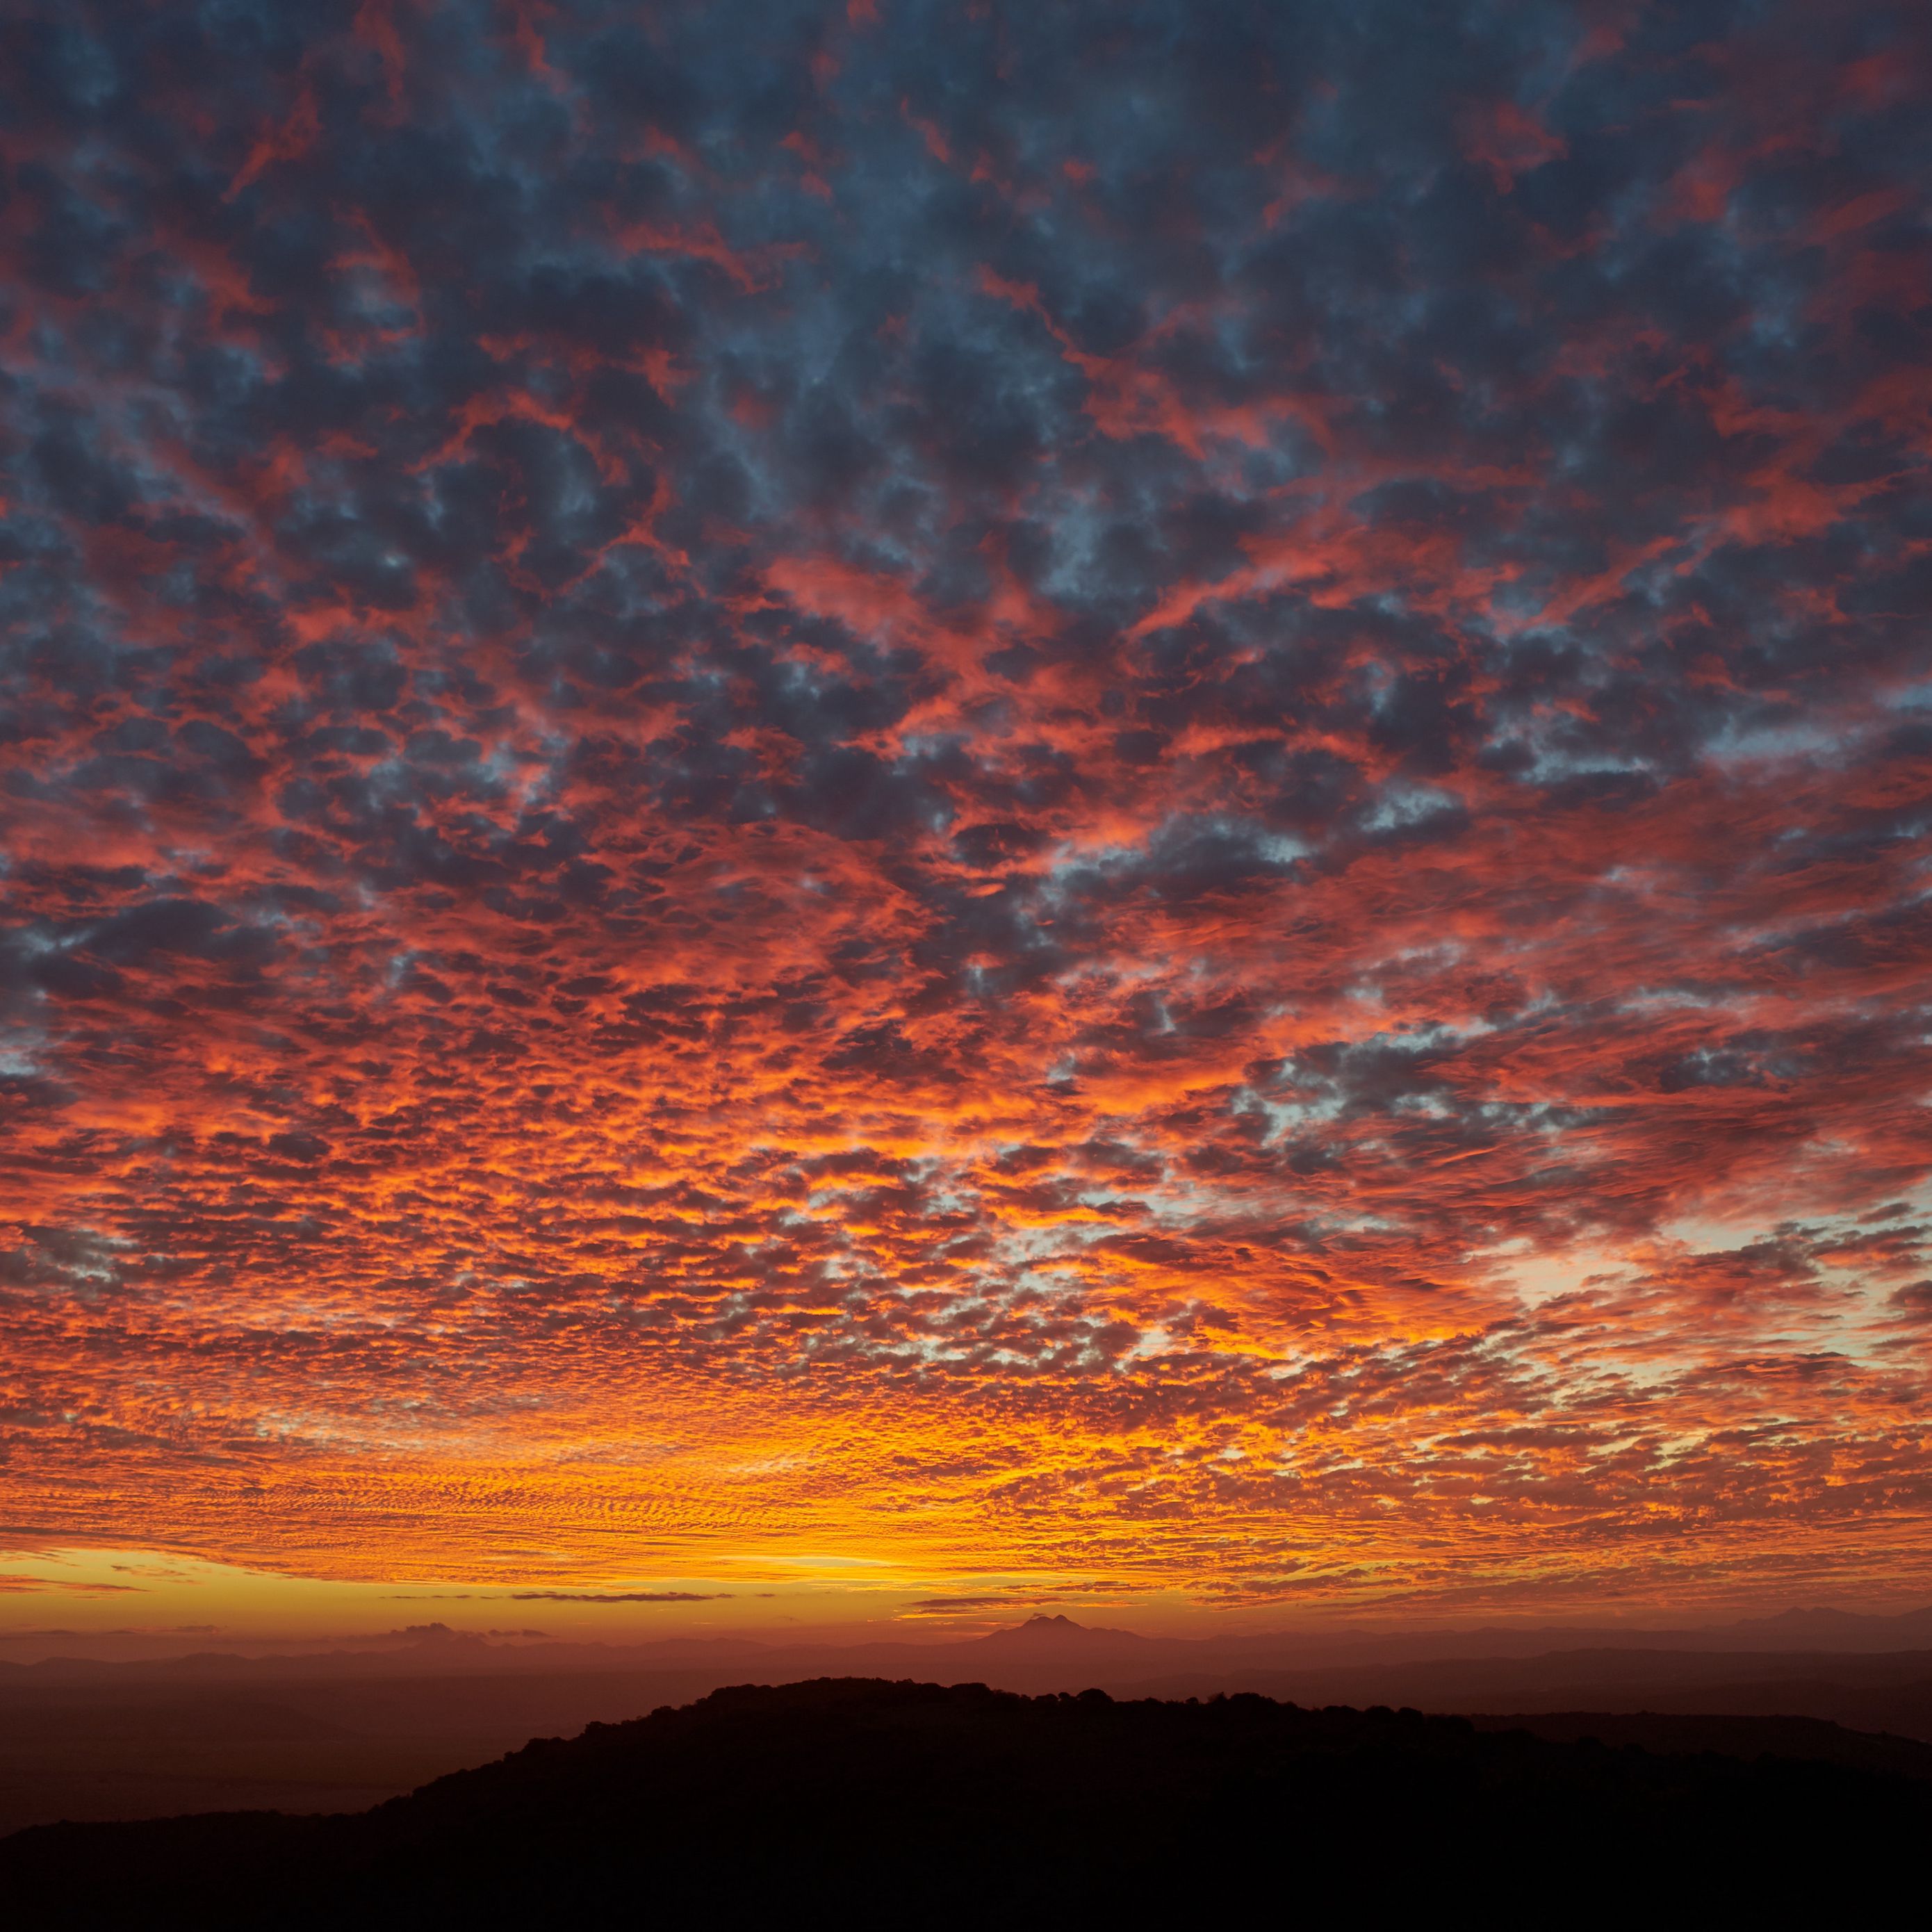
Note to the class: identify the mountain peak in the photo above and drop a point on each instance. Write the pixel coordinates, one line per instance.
(1041, 1629)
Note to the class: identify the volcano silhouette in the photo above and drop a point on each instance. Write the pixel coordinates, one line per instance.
(1060, 1632)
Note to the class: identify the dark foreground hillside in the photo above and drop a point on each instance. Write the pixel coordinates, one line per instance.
(910, 1803)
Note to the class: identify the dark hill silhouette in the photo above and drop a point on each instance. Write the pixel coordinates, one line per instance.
(910, 1803)
(1746, 1737)
(338, 1731)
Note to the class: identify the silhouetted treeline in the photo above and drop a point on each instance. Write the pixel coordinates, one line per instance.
(914, 1805)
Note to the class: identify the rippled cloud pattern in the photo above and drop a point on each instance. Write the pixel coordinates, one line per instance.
(1134, 792)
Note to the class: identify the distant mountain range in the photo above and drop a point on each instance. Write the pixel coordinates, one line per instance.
(84, 1738)
(1052, 1643)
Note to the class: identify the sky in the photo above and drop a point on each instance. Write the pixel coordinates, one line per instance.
(897, 810)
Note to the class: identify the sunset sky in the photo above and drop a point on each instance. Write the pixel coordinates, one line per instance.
(831, 812)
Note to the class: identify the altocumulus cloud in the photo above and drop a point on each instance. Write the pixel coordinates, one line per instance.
(1031, 786)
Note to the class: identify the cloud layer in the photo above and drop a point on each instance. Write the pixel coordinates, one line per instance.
(1011, 787)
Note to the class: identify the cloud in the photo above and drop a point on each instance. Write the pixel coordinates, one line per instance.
(15, 1583)
(616, 1597)
(1147, 802)
(987, 1602)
